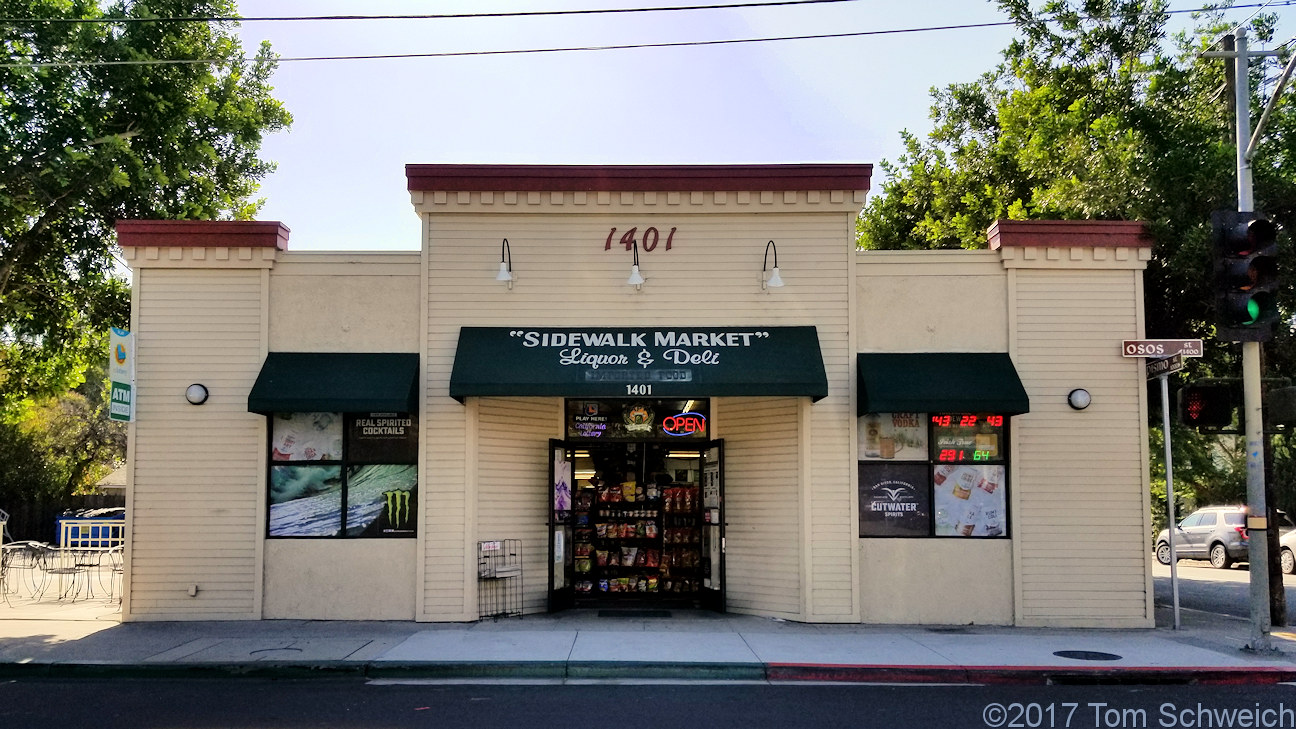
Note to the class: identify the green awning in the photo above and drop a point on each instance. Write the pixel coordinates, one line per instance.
(336, 382)
(951, 382)
(638, 362)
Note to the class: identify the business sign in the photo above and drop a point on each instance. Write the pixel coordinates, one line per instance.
(648, 362)
(121, 375)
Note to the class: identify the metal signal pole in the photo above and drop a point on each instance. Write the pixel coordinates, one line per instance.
(1252, 411)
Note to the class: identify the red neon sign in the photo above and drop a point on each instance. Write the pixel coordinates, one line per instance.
(684, 424)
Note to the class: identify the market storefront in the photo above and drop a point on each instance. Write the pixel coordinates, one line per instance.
(591, 388)
(637, 480)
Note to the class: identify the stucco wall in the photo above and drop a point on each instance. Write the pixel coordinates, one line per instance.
(331, 302)
(340, 579)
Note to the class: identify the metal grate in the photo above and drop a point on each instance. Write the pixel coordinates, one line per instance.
(499, 578)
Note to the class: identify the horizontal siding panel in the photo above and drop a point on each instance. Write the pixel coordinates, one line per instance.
(196, 325)
(1078, 515)
(762, 506)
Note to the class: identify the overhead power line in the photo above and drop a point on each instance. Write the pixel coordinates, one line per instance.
(566, 49)
(517, 51)
(426, 16)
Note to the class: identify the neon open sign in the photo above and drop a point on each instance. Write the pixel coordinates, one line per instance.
(684, 424)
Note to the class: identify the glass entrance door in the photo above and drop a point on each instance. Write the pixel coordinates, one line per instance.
(636, 524)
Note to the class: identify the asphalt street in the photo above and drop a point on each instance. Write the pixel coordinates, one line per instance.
(341, 704)
(1223, 592)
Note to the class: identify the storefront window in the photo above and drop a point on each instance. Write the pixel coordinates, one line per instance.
(938, 474)
(665, 420)
(336, 475)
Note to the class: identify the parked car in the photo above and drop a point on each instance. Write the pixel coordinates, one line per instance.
(1219, 533)
(1286, 557)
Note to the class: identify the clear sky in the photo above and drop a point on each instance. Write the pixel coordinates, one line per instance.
(340, 184)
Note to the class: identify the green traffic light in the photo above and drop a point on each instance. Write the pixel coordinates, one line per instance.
(1253, 311)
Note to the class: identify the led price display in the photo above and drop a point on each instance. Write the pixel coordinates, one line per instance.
(967, 438)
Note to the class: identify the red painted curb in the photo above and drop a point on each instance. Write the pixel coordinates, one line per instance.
(1027, 675)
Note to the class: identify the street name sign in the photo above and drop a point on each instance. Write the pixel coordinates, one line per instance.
(1158, 367)
(1161, 347)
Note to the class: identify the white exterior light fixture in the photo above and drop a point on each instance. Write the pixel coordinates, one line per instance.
(506, 264)
(774, 280)
(636, 279)
(196, 394)
(1079, 398)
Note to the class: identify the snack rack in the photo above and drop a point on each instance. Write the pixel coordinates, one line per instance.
(499, 578)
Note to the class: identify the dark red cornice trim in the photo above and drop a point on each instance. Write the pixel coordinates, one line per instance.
(637, 178)
(1062, 233)
(203, 233)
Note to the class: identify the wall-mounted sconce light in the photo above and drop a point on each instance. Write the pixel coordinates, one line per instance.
(1079, 398)
(506, 264)
(196, 394)
(774, 280)
(636, 279)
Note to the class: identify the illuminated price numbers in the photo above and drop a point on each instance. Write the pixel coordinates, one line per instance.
(948, 455)
(981, 455)
(968, 421)
(995, 420)
(941, 421)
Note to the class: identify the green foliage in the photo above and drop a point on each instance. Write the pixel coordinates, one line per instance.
(82, 146)
(1094, 113)
(61, 446)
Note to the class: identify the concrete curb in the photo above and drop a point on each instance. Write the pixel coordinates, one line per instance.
(1031, 675)
(638, 670)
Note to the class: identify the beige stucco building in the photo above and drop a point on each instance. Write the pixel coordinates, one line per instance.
(885, 438)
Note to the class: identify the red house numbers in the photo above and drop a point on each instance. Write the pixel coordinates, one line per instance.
(649, 242)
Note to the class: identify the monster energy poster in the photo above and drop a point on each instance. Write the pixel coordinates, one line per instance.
(382, 438)
(381, 500)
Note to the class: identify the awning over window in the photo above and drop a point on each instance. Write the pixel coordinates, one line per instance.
(638, 362)
(338, 382)
(952, 382)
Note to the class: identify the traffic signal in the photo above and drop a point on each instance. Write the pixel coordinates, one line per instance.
(1246, 276)
(1207, 406)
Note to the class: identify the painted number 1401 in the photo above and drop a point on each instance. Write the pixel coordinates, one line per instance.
(638, 389)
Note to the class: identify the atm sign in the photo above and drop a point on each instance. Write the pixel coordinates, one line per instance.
(684, 424)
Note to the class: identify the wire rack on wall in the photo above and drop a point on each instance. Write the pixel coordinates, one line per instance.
(499, 578)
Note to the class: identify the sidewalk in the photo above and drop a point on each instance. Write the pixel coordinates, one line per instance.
(85, 639)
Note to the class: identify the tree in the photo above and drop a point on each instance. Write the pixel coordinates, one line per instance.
(61, 446)
(109, 113)
(1091, 116)
(1088, 117)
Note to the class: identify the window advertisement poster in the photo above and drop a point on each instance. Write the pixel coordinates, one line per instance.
(381, 438)
(382, 500)
(306, 437)
(895, 499)
(305, 501)
(893, 437)
(970, 500)
(562, 481)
